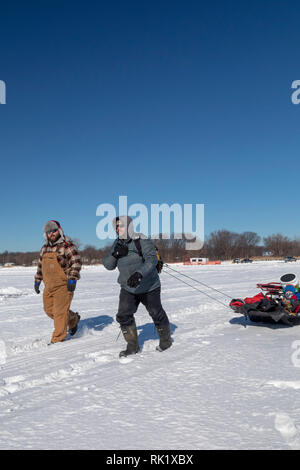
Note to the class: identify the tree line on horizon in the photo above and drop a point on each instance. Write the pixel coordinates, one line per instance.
(220, 245)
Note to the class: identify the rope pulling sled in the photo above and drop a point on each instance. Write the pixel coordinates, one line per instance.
(278, 302)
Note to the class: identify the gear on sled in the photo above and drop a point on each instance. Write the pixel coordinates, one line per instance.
(278, 302)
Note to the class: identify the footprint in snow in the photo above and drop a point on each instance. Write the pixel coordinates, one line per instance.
(125, 360)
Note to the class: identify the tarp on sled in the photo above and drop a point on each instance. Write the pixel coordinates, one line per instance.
(261, 308)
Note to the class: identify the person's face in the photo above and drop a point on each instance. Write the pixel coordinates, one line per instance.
(53, 235)
(120, 229)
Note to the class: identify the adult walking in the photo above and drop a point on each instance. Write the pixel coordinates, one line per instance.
(59, 268)
(136, 259)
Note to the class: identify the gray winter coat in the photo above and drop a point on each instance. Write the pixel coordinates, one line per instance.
(127, 265)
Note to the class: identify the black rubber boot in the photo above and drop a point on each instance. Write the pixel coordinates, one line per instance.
(164, 337)
(130, 335)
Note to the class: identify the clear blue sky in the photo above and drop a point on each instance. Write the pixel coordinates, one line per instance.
(162, 101)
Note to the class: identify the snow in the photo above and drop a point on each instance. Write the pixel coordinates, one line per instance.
(224, 384)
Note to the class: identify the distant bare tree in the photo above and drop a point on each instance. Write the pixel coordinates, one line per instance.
(222, 244)
(278, 245)
(77, 242)
(89, 253)
(246, 244)
(295, 247)
(170, 249)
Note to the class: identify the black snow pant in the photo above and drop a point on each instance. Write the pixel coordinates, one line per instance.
(128, 305)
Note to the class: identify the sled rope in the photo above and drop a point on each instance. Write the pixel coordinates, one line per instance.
(196, 288)
(199, 282)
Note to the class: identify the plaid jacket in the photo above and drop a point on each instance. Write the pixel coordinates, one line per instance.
(67, 256)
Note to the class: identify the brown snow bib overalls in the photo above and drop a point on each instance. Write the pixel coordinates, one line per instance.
(57, 298)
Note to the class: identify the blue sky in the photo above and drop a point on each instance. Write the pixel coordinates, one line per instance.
(162, 101)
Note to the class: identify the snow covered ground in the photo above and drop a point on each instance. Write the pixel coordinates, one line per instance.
(222, 385)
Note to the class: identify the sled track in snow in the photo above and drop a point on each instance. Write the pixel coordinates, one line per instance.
(236, 385)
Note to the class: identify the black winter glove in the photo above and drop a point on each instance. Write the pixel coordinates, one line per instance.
(120, 251)
(135, 279)
(37, 286)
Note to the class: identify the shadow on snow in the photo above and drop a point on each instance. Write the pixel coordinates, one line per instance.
(247, 322)
(96, 323)
(148, 331)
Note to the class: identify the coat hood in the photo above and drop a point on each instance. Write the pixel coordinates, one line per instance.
(128, 222)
